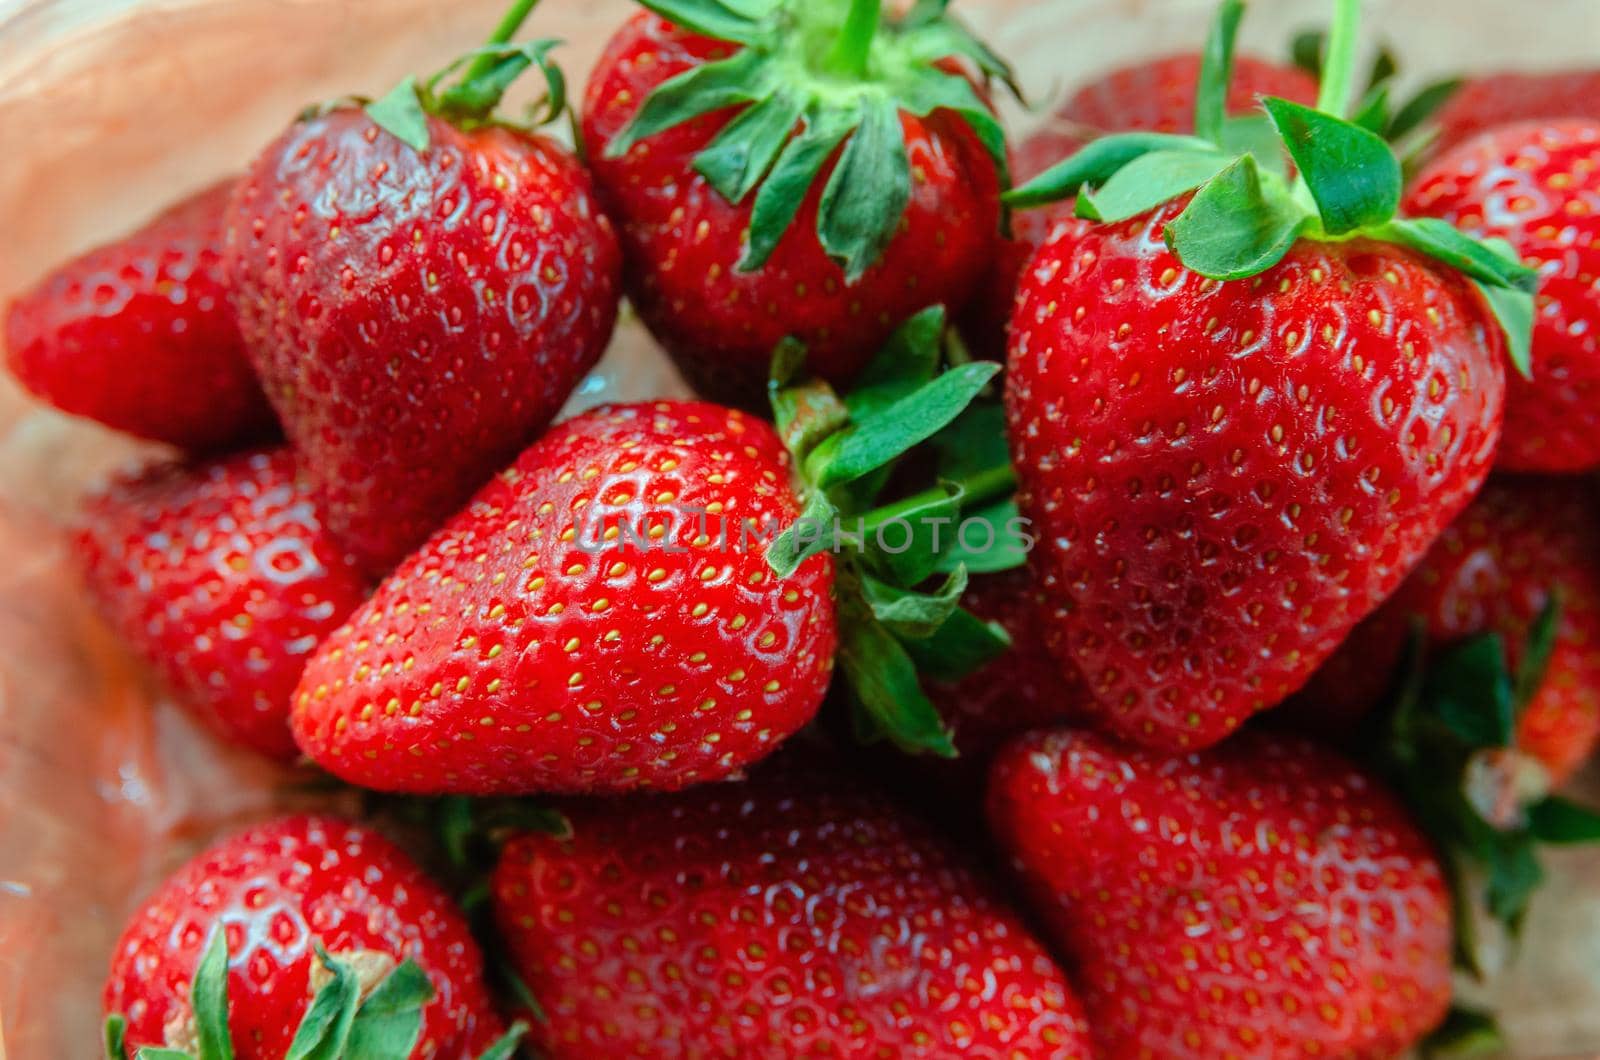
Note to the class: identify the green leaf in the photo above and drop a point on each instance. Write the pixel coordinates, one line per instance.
(209, 997)
(964, 645)
(1513, 311)
(1003, 546)
(883, 680)
(1465, 1031)
(324, 1030)
(1254, 134)
(1351, 173)
(907, 361)
(910, 614)
(867, 192)
(1095, 164)
(913, 419)
(1232, 229)
(747, 146)
(740, 78)
(1445, 243)
(505, 1046)
(779, 197)
(975, 441)
(1557, 820)
(1148, 181)
(400, 114)
(115, 1035)
(1216, 72)
(390, 1019)
(1536, 650)
(1422, 106)
(904, 540)
(810, 535)
(713, 18)
(1469, 689)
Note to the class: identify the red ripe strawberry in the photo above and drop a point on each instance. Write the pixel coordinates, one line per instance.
(1485, 102)
(1537, 186)
(1157, 95)
(1493, 570)
(223, 579)
(1261, 899)
(601, 617)
(275, 894)
(717, 144)
(138, 335)
(794, 915)
(418, 308)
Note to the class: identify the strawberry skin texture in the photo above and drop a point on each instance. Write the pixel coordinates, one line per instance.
(279, 889)
(223, 579)
(1225, 477)
(522, 650)
(417, 317)
(682, 239)
(1536, 187)
(138, 335)
(794, 915)
(1492, 571)
(1262, 899)
(1508, 98)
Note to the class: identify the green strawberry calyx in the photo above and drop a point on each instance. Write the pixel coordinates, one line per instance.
(810, 76)
(908, 484)
(1247, 211)
(343, 1021)
(473, 98)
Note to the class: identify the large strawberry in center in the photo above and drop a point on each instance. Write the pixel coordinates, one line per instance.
(420, 289)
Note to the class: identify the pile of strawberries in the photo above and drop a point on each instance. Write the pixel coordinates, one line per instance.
(1219, 499)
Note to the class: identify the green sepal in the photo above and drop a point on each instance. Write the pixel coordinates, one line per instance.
(940, 37)
(909, 614)
(739, 22)
(778, 198)
(1351, 173)
(1482, 260)
(1421, 107)
(1464, 1032)
(1372, 113)
(1095, 164)
(400, 113)
(324, 1030)
(472, 100)
(935, 89)
(1554, 819)
(209, 997)
(916, 531)
(1254, 134)
(389, 1021)
(854, 228)
(962, 646)
(505, 1046)
(156, 1052)
(1007, 546)
(115, 1036)
(740, 78)
(1232, 229)
(908, 361)
(520, 991)
(1148, 181)
(1216, 72)
(742, 153)
(1514, 311)
(810, 535)
(882, 678)
(1537, 647)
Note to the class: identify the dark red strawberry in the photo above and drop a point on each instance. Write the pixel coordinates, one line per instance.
(1537, 186)
(716, 140)
(1495, 570)
(1261, 899)
(420, 287)
(236, 945)
(601, 617)
(1490, 100)
(138, 335)
(795, 915)
(222, 577)
(1239, 419)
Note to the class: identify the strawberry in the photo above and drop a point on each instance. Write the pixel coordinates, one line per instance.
(420, 286)
(1263, 898)
(715, 134)
(302, 931)
(138, 335)
(798, 914)
(1239, 416)
(1509, 97)
(222, 577)
(1535, 186)
(599, 618)
(1521, 544)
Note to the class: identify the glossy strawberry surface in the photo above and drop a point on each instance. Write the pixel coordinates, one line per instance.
(1491, 100)
(1537, 186)
(1494, 570)
(1225, 477)
(417, 317)
(221, 577)
(138, 335)
(1263, 899)
(794, 915)
(682, 239)
(278, 890)
(601, 617)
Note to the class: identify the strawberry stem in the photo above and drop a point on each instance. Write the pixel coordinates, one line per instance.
(849, 55)
(1338, 70)
(510, 22)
